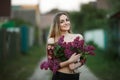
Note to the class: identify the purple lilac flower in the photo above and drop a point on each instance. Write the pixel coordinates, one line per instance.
(55, 66)
(68, 45)
(68, 49)
(81, 43)
(76, 39)
(68, 53)
(91, 53)
(61, 39)
(52, 64)
(63, 44)
(76, 43)
(44, 65)
(89, 49)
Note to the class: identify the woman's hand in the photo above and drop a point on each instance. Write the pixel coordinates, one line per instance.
(74, 66)
(74, 58)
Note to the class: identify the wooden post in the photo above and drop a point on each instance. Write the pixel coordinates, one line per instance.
(4, 46)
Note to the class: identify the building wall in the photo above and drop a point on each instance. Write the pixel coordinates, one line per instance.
(97, 36)
(27, 15)
(103, 4)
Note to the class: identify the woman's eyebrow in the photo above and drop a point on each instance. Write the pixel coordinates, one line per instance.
(62, 20)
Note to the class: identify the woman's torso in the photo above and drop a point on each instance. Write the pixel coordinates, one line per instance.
(68, 38)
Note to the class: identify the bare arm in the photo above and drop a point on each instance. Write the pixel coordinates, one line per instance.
(74, 66)
(72, 59)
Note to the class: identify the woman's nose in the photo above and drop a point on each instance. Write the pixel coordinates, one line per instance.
(66, 22)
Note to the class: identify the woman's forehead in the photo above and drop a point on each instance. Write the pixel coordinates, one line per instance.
(63, 17)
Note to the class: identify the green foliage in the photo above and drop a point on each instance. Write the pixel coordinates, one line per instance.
(92, 43)
(103, 67)
(77, 21)
(58, 52)
(115, 5)
(8, 24)
(36, 34)
(113, 47)
(88, 18)
(22, 67)
(20, 22)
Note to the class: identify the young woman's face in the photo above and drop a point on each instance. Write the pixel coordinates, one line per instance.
(64, 23)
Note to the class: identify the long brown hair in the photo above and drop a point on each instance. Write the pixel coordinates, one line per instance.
(55, 31)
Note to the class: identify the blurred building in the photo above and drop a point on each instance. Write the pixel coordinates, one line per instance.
(46, 20)
(92, 35)
(101, 4)
(29, 13)
(114, 37)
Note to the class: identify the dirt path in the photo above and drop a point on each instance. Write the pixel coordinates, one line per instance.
(86, 74)
(40, 74)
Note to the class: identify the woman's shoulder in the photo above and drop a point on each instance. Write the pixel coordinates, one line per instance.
(78, 35)
(50, 41)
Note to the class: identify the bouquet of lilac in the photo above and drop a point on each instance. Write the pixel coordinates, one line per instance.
(63, 50)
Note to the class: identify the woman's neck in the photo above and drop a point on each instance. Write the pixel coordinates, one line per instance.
(64, 33)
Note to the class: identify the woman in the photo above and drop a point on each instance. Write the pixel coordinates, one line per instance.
(62, 70)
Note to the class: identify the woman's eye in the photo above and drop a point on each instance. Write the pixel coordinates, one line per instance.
(61, 21)
(64, 20)
(67, 20)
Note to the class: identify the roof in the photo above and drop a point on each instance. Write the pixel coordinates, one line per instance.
(115, 15)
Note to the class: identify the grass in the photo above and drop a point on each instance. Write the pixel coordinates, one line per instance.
(104, 68)
(22, 67)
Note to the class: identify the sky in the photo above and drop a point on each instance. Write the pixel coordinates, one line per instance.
(47, 5)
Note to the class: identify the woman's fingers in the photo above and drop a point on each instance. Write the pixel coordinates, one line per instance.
(77, 56)
(74, 57)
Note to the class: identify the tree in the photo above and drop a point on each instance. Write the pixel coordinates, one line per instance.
(88, 18)
(77, 21)
(115, 5)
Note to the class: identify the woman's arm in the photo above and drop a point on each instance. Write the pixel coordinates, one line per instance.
(72, 59)
(76, 65)
(54, 64)
(73, 66)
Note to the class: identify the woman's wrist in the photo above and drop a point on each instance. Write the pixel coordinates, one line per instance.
(78, 65)
(69, 61)
(74, 66)
(65, 63)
